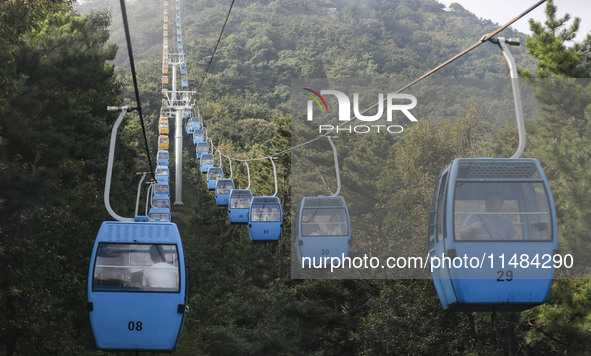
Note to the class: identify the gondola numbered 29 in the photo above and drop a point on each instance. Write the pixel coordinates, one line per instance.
(497, 215)
(501, 211)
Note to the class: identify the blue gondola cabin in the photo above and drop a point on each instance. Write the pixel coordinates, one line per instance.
(213, 174)
(206, 161)
(223, 187)
(265, 219)
(239, 206)
(497, 211)
(323, 229)
(137, 286)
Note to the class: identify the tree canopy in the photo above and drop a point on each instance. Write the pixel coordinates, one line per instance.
(61, 68)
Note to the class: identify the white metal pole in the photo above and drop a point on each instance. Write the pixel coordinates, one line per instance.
(173, 82)
(178, 157)
(139, 188)
(110, 165)
(149, 197)
(516, 97)
(274, 175)
(248, 172)
(336, 166)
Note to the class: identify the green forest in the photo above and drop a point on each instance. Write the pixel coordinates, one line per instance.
(68, 61)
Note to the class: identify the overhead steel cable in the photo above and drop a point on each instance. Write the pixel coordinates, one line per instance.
(482, 40)
(135, 86)
(216, 46)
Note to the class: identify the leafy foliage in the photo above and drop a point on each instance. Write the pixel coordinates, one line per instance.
(60, 73)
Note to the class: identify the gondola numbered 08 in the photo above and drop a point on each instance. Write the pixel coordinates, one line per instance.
(137, 286)
(137, 281)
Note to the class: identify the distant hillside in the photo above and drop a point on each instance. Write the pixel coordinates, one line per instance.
(268, 42)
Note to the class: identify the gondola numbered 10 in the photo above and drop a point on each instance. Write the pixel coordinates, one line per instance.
(137, 279)
(490, 218)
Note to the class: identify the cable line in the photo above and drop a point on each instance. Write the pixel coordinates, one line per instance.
(135, 87)
(482, 40)
(216, 46)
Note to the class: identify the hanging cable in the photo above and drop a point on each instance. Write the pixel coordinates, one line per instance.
(135, 86)
(216, 46)
(482, 40)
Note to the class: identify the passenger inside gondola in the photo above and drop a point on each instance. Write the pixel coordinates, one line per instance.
(271, 214)
(161, 203)
(207, 160)
(225, 188)
(160, 274)
(214, 174)
(331, 221)
(105, 274)
(490, 225)
(311, 230)
(333, 227)
(242, 203)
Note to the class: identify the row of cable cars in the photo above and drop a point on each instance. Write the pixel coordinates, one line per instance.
(262, 214)
(181, 54)
(323, 228)
(137, 279)
(160, 206)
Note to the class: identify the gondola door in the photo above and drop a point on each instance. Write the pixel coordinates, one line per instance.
(438, 241)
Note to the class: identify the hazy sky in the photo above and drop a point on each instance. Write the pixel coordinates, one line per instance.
(502, 11)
